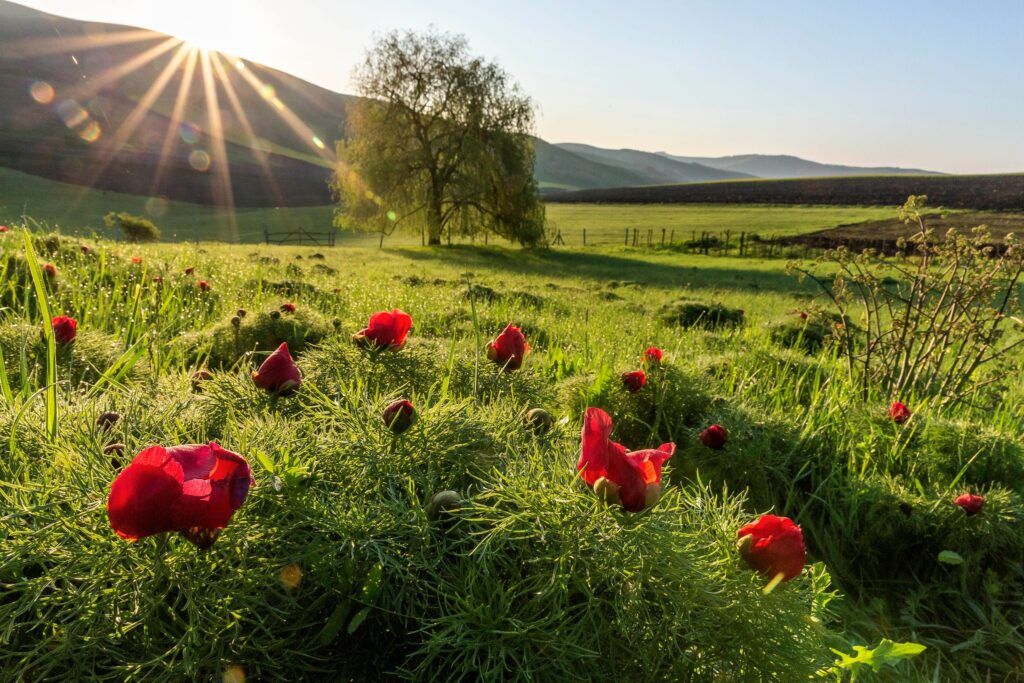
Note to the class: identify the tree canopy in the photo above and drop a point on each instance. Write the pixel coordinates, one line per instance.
(440, 141)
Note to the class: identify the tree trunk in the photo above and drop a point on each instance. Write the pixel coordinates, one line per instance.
(434, 224)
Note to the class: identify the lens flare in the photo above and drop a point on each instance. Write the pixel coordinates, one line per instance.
(72, 113)
(91, 131)
(42, 92)
(199, 160)
(156, 207)
(291, 576)
(189, 132)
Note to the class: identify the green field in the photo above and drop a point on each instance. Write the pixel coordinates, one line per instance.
(81, 211)
(336, 565)
(606, 223)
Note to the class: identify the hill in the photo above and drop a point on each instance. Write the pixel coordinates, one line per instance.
(788, 166)
(997, 192)
(655, 169)
(557, 168)
(140, 112)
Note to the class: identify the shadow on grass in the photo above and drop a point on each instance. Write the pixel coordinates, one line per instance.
(605, 266)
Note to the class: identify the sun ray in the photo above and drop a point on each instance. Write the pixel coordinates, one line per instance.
(177, 113)
(298, 126)
(37, 47)
(93, 85)
(222, 170)
(243, 119)
(138, 113)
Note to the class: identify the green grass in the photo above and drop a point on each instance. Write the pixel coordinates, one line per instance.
(81, 211)
(606, 223)
(532, 578)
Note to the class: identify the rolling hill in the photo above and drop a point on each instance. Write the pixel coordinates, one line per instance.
(138, 112)
(787, 166)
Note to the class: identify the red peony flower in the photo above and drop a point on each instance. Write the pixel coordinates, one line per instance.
(192, 489)
(509, 348)
(85, 249)
(632, 479)
(970, 503)
(714, 436)
(190, 270)
(634, 381)
(136, 260)
(772, 546)
(203, 285)
(278, 374)
(3, 228)
(653, 355)
(49, 270)
(385, 331)
(899, 412)
(64, 329)
(399, 415)
(287, 307)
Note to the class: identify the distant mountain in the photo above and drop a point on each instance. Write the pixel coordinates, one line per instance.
(786, 166)
(559, 169)
(650, 168)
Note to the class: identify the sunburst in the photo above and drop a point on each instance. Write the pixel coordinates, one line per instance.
(183, 60)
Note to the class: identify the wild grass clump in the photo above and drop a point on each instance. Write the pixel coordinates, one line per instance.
(696, 314)
(250, 332)
(83, 361)
(808, 331)
(670, 405)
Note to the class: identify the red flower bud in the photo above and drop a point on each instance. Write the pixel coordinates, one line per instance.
(899, 412)
(399, 415)
(653, 355)
(192, 489)
(634, 477)
(3, 228)
(509, 348)
(714, 436)
(85, 249)
(278, 374)
(970, 503)
(64, 329)
(287, 307)
(772, 546)
(49, 270)
(634, 381)
(136, 260)
(190, 270)
(386, 331)
(204, 285)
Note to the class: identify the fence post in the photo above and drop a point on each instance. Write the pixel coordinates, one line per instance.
(266, 233)
(672, 239)
(634, 236)
(584, 237)
(626, 243)
(650, 237)
(728, 237)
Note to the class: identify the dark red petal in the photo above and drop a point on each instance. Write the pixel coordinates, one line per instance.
(594, 445)
(143, 494)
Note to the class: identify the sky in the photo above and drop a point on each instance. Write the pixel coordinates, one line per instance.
(936, 85)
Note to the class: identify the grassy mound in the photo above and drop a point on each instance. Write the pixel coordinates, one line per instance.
(256, 333)
(82, 362)
(695, 314)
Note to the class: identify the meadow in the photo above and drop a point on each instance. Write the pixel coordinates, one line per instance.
(467, 546)
(81, 210)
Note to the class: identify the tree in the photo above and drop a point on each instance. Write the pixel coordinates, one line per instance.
(440, 141)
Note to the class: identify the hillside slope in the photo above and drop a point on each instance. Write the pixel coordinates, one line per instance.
(788, 166)
(70, 94)
(653, 168)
